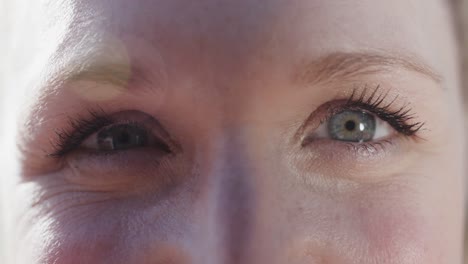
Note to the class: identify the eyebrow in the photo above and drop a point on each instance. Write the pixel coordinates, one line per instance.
(119, 75)
(341, 65)
(335, 66)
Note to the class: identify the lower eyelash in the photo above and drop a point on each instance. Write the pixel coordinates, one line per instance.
(368, 148)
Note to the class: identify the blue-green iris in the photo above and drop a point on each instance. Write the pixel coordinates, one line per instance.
(353, 126)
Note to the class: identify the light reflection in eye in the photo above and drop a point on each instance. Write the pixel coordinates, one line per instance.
(121, 137)
(354, 126)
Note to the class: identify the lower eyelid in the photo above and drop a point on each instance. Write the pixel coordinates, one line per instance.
(354, 161)
(118, 168)
(343, 150)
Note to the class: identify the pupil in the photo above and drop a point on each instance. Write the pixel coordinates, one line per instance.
(350, 125)
(124, 138)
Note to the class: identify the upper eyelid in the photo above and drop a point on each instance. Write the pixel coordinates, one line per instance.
(398, 119)
(79, 128)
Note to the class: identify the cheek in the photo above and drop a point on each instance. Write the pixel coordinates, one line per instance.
(69, 238)
(117, 232)
(366, 229)
(391, 234)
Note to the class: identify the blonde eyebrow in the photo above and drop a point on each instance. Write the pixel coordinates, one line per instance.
(111, 73)
(105, 71)
(342, 65)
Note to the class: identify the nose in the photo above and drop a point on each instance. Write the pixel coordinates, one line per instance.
(227, 207)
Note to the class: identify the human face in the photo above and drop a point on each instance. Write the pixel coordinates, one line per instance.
(226, 132)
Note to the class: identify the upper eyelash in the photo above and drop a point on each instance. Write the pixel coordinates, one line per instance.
(399, 119)
(80, 129)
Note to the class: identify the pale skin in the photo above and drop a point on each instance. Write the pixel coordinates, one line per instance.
(238, 92)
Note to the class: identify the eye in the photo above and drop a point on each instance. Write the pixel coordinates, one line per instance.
(118, 137)
(122, 137)
(354, 126)
(118, 151)
(100, 132)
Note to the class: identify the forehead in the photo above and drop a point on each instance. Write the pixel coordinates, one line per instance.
(233, 28)
(226, 37)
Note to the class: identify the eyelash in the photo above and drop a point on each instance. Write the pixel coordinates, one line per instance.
(372, 102)
(81, 128)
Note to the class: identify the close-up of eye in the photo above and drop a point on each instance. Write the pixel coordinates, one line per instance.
(364, 119)
(354, 126)
(233, 131)
(119, 137)
(116, 150)
(104, 133)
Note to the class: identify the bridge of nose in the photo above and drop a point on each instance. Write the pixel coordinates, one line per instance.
(227, 207)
